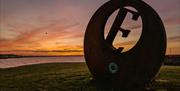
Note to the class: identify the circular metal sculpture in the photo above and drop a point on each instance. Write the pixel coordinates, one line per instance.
(135, 67)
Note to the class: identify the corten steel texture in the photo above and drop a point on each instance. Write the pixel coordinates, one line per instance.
(135, 67)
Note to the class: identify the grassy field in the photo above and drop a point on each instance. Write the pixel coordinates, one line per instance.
(72, 77)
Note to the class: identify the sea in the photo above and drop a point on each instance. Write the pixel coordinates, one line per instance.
(16, 62)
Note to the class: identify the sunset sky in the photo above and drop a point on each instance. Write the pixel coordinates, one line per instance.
(57, 27)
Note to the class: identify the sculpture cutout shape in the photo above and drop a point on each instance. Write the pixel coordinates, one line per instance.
(135, 67)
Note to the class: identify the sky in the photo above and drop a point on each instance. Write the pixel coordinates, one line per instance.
(57, 27)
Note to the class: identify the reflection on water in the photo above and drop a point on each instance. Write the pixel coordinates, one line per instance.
(15, 62)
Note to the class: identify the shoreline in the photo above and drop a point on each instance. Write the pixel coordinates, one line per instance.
(16, 62)
(42, 64)
(31, 60)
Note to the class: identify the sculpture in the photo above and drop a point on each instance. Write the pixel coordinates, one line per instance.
(138, 66)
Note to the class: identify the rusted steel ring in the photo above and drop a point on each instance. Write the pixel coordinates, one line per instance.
(139, 65)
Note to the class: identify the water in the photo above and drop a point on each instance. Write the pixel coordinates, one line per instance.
(15, 62)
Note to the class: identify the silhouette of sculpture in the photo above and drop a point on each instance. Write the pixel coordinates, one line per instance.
(136, 67)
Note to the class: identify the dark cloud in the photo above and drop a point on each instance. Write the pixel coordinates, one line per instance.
(127, 43)
(174, 38)
(44, 51)
(135, 27)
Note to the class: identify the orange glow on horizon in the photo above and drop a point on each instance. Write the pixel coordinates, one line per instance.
(58, 27)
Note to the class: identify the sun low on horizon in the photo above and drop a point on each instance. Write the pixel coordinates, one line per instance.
(57, 27)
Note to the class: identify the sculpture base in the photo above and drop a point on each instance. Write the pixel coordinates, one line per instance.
(106, 84)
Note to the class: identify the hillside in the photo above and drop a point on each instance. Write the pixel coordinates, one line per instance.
(72, 77)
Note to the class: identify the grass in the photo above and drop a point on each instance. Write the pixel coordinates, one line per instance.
(72, 77)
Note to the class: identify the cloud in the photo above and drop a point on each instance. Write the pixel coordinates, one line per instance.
(37, 34)
(170, 39)
(174, 38)
(7, 34)
(44, 51)
(135, 26)
(127, 43)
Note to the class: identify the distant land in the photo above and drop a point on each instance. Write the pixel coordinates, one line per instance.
(5, 56)
(172, 60)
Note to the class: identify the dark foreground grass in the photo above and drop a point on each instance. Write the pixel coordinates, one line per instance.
(72, 77)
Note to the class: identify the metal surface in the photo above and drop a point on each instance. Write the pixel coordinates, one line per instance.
(135, 67)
